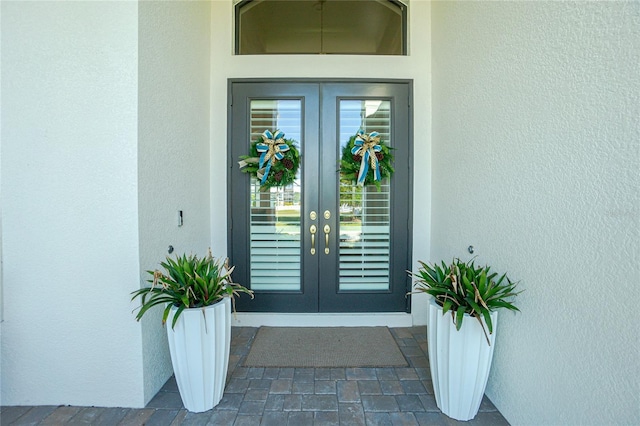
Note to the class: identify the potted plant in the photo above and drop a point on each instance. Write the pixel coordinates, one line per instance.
(197, 294)
(461, 344)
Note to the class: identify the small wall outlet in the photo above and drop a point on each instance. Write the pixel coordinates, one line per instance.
(180, 218)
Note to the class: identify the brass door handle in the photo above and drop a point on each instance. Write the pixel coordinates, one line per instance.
(327, 230)
(313, 229)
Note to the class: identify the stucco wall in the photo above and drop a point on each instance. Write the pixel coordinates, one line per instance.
(69, 201)
(415, 66)
(173, 151)
(535, 163)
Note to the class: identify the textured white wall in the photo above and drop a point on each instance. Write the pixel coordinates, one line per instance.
(535, 163)
(173, 160)
(69, 200)
(415, 66)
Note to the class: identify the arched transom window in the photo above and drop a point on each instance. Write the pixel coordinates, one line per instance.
(368, 27)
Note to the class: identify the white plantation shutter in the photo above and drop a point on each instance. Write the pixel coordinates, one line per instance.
(275, 212)
(364, 241)
(364, 212)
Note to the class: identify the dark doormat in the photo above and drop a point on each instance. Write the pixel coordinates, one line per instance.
(324, 347)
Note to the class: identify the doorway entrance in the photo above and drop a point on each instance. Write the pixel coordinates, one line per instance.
(322, 243)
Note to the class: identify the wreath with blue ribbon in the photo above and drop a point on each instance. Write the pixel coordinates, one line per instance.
(366, 160)
(273, 160)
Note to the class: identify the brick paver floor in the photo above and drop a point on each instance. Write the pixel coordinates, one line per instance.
(286, 396)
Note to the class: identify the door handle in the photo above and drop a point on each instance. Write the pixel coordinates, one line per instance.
(313, 229)
(327, 230)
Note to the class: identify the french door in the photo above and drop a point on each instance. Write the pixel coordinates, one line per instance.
(322, 243)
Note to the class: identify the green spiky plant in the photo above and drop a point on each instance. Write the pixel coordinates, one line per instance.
(188, 282)
(464, 288)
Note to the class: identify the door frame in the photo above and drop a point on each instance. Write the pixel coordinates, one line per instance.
(406, 233)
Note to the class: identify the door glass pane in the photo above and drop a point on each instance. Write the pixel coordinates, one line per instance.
(275, 212)
(364, 211)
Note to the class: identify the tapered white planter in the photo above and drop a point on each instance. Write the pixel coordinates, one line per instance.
(199, 346)
(459, 362)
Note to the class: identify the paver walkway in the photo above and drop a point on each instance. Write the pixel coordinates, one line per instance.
(286, 396)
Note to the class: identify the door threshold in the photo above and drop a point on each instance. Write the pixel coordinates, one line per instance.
(374, 319)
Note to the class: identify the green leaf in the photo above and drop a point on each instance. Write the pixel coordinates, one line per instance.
(482, 282)
(446, 306)
(466, 282)
(474, 305)
(165, 314)
(459, 317)
(179, 310)
(487, 319)
(503, 304)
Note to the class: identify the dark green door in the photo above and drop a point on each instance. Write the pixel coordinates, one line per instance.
(321, 244)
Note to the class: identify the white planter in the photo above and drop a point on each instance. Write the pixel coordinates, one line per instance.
(199, 346)
(459, 362)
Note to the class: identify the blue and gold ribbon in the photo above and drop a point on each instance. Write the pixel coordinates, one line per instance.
(272, 148)
(366, 145)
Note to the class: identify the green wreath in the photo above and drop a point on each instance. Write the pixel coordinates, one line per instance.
(366, 159)
(272, 160)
